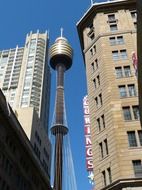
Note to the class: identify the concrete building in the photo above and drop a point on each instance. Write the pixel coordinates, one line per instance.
(25, 75)
(19, 166)
(107, 33)
(25, 81)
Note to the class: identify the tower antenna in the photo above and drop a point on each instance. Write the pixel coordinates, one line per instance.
(92, 2)
(62, 31)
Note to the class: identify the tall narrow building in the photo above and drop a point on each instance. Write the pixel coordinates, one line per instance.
(107, 34)
(25, 81)
(25, 75)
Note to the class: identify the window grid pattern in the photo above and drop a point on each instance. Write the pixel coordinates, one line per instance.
(28, 74)
(119, 55)
(119, 40)
(122, 72)
(127, 90)
(137, 165)
(101, 123)
(103, 146)
(131, 112)
(106, 176)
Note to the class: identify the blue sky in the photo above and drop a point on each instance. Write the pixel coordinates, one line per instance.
(19, 18)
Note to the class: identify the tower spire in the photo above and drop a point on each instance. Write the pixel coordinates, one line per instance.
(61, 31)
(92, 2)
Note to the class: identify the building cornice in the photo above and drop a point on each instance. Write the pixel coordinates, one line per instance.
(108, 34)
(119, 184)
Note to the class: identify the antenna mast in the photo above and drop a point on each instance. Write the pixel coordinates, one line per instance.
(62, 31)
(92, 2)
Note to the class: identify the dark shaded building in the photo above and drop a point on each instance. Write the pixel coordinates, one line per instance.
(20, 169)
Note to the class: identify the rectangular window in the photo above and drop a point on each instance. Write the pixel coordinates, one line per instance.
(92, 67)
(104, 177)
(115, 55)
(94, 81)
(120, 40)
(127, 71)
(123, 54)
(101, 150)
(106, 146)
(98, 124)
(96, 101)
(109, 175)
(131, 90)
(96, 63)
(100, 99)
(111, 17)
(33, 43)
(118, 71)
(91, 52)
(132, 138)
(140, 137)
(134, 14)
(122, 91)
(113, 27)
(137, 168)
(91, 33)
(103, 121)
(116, 40)
(127, 113)
(112, 41)
(136, 112)
(4, 59)
(94, 48)
(98, 80)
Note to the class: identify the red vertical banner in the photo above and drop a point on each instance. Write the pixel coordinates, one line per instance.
(135, 62)
(88, 143)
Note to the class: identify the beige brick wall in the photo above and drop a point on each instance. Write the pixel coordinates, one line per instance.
(120, 154)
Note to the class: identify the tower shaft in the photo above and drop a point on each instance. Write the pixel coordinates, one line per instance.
(59, 117)
(59, 128)
(58, 162)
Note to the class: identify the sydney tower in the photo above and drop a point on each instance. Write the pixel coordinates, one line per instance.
(60, 60)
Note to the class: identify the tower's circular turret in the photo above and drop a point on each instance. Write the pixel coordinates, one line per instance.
(61, 52)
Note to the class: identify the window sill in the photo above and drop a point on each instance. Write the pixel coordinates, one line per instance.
(124, 77)
(117, 44)
(120, 59)
(128, 97)
(134, 147)
(132, 120)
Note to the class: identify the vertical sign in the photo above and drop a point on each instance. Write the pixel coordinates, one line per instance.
(135, 62)
(88, 143)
